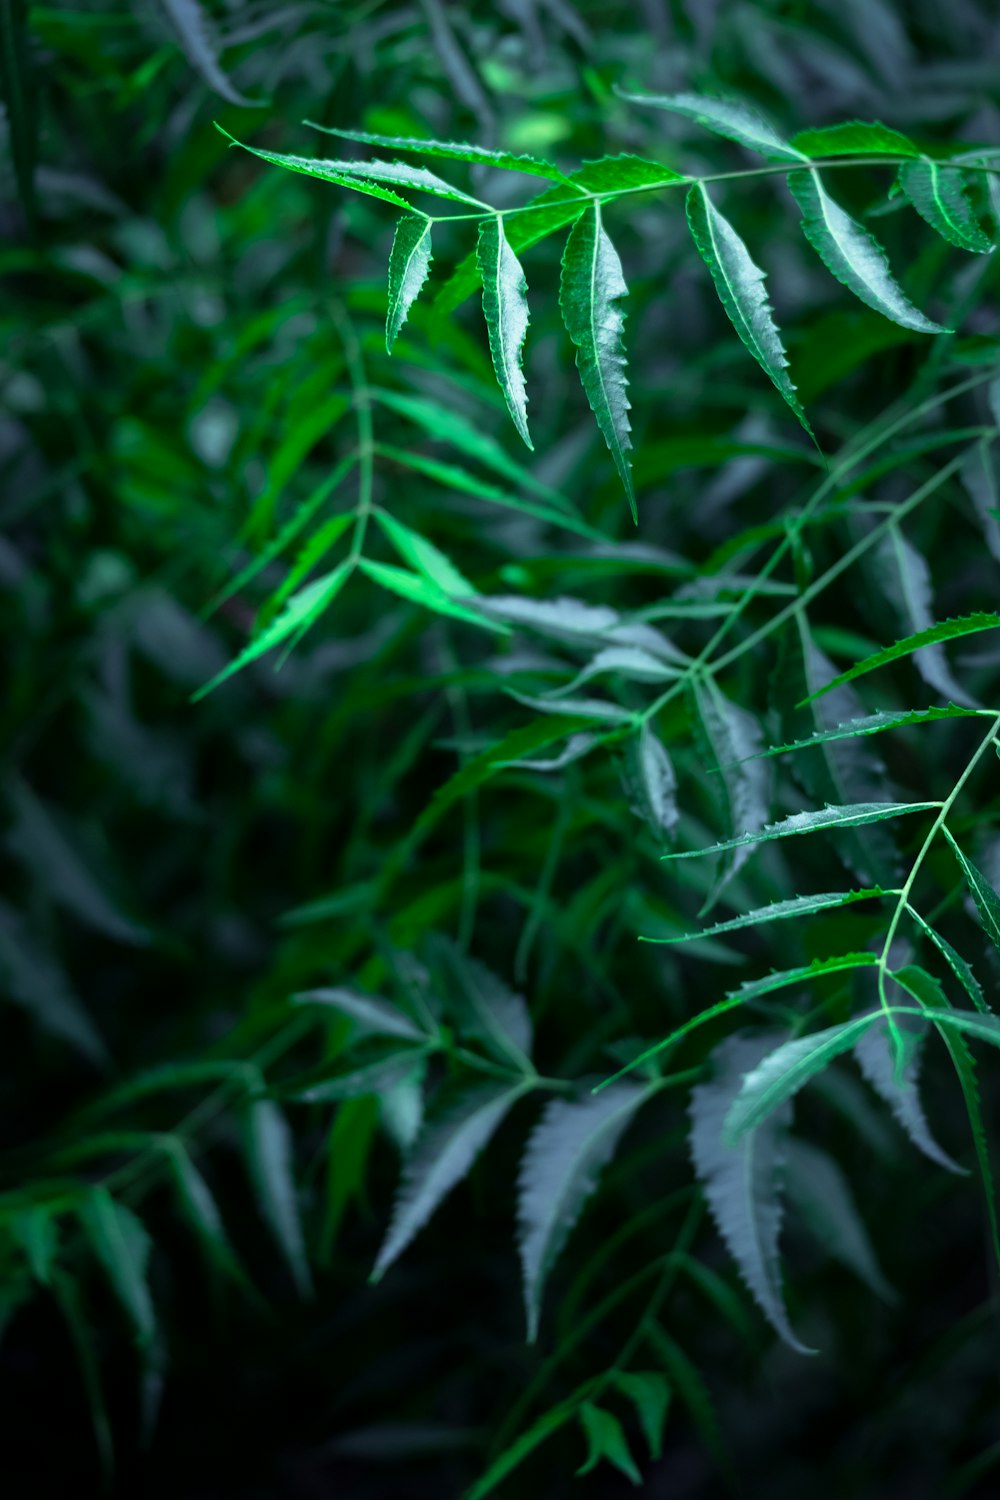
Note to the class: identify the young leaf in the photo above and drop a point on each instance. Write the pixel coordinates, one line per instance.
(422, 555)
(852, 816)
(778, 1078)
(986, 899)
(421, 591)
(409, 264)
(371, 1015)
(651, 782)
(269, 1155)
(300, 613)
(795, 906)
(823, 1195)
(631, 661)
(535, 166)
(605, 1439)
(734, 120)
(731, 739)
(505, 307)
(122, 1246)
(852, 255)
(650, 1395)
(564, 1157)
(741, 1179)
(740, 284)
(939, 193)
(444, 1153)
(877, 1062)
(853, 138)
(590, 288)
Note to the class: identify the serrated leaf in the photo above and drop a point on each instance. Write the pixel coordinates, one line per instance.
(649, 1393)
(590, 288)
(732, 737)
(877, 1061)
(852, 255)
(121, 1245)
(822, 1193)
(509, 161)
(419, 590)
(633, 663)
(945, 630)
(567, 1150)
(269, 1157)
(312, 168)
(651, 782)
(300, 613)
(905, 576)
(424, 556)
(958, 965)
(741, 1178)
(194, 32)
(487, 1008)
(409, 266)
(505, 307)
(853, 138)
(370, 1013)
(986, 898)
(854, 815)
(939, 193)
(777, 1078)
(442, 1156)
(795, 906)
(734, 120)
(740, 285)
(606, 1440)
(979, 477)
(875, 724)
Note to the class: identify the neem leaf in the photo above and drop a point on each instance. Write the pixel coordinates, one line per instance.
(505, 307)
(652, 782)
(194, 33)
(536, 166)
(795, 906)
(734, 120)
(939, 193)
(122, 1246)
(958, 965)
(589, 291)
(605, 1439)
(853, 138)
(373, 1015)
(877, 724)
(420, 590)
(853, 815)
(946, 630)
(986, 899)
(779, 1076)
(409, 264)
(567, 1150)
(742, 1176)
(740, 284)
(852, 255)
(731, 737)
(877, 1061)
(649, 1393)
(823, 1195)
(269, 1153)
(424, 556)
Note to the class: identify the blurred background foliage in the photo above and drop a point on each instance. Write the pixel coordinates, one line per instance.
(185, 340)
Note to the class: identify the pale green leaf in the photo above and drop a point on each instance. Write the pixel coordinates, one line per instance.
(590, 289)
(651, 782)
(409, 265)
(424, 556)
(194, 31)
(485, 1007)
(939, 193)
(730, 738)
(779, 1076)
(375, 1077)
(505, 307)
(945, 630)
(740, 285)
(535, 166)
(606, 1440)
(734, 120)
(906, 577)
(958, 965)
(878, 1062)
(419, 590)
(370, 1014)
(852, 255)
(584, 708)
(853, 138)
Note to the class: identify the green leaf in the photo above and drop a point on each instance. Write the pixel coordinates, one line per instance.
(740, 285)
(201, 1210)
(877, 1060)
(734, 120)
(443, 1154)
(877, 724)
(853, 138)
(419, 590)
(409, 265)
(422, 555)
(854, 815)
(775, 1080)
(795, 906)
(505, 307)
(36, 1230)
(269, 1156)
(649, 1393)
(939, 193)
(194, 32)
(300, 613)
(535, 166)
(567, 1150)
(823, 1196)
(651, 781)
(590, 288)
(371, 1015)
(852, 255)
(729, 739)
(906, 578)
(583, 708)
(958, 965)
(986, 899)
(377, 1076)
(486, 1008)
(606, 1440)
(511, 1457)
(742, 1177)
(122, 1246)
(946, 630)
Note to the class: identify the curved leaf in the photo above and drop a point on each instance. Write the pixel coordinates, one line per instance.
(606, 1440)
(986, 898)
(854, 138)
(371, 1014)
(505, 307)
(122, 1245)
(193, 28)
(731, 738)
(734, 120)
(269, 1155)
(939, 193)
(946, 630)
(779, 1076)
(854, 815)
(409, 265)
(535, 166)
(795, 906)
(877, 1061)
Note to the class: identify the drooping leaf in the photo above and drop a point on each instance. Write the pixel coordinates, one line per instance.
(740, 285)
(505, 307)
(853, 138)
(730, 738)
(852, 816)
(32, 978)
(409, 265)
(649, 1393)
(606, 1440)
(959, 966)
(194, 32)
(371, 1014)
(535, 166)
(852, 255)
(821, 1192)
(269, 1156)
(939, 193)
(122, 1246)
(569, 1147)
(876, 724)
(442, 1156)
(652, 782)
(906, 578)
(742, 1178)
(877, 1062)
(733, 119)
(631, 661)
(780, 1075)
(986, 899)
(795, 906)
(590, 289)
(485, 1007)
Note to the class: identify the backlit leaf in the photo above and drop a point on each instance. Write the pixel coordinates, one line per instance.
(505, 306)
(409, 265)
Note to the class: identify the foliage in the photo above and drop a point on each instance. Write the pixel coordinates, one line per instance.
(469, 926)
